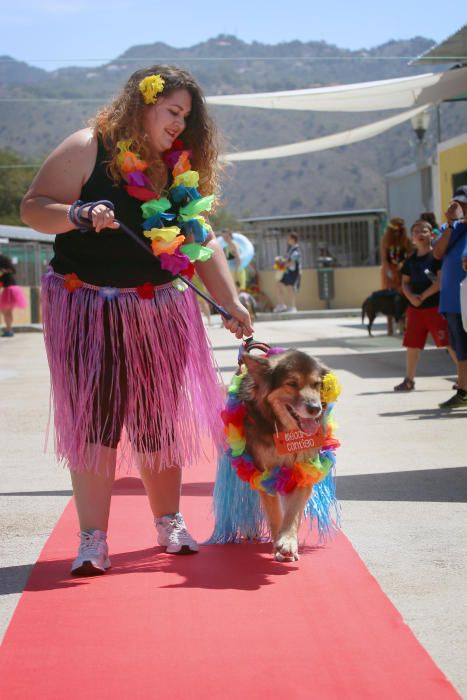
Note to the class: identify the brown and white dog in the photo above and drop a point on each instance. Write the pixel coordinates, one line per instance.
(281, 392)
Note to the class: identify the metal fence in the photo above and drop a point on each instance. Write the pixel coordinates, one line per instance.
(349, 239)
(29, 250)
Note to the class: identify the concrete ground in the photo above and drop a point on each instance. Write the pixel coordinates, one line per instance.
(402, 470)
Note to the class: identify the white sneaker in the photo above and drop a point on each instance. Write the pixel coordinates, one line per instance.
(93, 554)
(292, 309)
(172, 534)
(279, 307)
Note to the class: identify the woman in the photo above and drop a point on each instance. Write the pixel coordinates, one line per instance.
(395, 247)
(126, 346)
(232, 253)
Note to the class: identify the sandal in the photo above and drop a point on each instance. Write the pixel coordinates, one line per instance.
(406, 385)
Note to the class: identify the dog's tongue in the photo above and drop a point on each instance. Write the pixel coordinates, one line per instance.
(309, 425)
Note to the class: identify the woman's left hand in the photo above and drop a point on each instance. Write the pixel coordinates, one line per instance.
(240, 323)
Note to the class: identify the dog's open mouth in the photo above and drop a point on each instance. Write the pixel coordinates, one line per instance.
(306, 423)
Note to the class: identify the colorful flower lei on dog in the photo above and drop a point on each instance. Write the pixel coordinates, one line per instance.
(280, 479)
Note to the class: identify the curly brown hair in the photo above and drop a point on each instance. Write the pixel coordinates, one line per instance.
(123, 119)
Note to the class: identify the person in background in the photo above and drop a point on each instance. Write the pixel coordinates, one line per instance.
(420, 284)
(430, 217)
(451, 248)
(289, 284)
(11, 296)
(232, 253)
(125, 340)
(395, 247)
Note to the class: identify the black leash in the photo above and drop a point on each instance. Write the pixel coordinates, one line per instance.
(84, 224)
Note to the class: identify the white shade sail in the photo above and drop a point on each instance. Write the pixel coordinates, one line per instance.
(400, 93)
(342, 138)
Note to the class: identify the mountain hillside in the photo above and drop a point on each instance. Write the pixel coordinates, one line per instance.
(46, 106)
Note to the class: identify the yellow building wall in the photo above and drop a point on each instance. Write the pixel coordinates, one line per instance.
(351, 286)
(452, 159)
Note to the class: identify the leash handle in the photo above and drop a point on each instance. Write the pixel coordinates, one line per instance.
(85, 221)
(251, 344)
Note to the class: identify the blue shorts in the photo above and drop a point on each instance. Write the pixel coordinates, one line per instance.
(457, 335)
(291, 278)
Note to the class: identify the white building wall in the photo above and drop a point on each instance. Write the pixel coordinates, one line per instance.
(410, 192)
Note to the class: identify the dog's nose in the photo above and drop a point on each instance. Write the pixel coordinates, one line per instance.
(314, 408)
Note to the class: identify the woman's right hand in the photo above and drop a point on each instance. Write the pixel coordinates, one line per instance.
(240, 323)
(101, 217)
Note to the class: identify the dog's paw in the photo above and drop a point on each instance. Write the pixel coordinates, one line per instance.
(286, 548)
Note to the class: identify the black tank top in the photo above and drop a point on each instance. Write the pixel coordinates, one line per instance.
(109, 258)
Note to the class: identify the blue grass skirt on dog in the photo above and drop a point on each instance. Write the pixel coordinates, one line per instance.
(238, 513)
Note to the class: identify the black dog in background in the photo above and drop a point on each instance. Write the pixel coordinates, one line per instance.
(387, 302)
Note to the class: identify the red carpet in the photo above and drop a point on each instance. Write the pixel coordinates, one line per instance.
(229, 622)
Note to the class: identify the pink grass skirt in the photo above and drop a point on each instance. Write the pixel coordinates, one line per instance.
(12, 298)
(126, 366)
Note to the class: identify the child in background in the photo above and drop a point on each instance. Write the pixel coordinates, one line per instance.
(431, 218)
(420, 284)
(11, 296)
(289, 283)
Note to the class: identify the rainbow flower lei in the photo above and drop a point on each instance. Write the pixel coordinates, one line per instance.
(280, 479)
(174, 223)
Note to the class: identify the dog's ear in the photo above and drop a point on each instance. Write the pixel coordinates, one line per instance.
(323, 370)
(259, 368)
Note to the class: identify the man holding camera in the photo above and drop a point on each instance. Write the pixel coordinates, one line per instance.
(451, 248)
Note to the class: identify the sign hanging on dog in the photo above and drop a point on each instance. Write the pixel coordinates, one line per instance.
(297, 441)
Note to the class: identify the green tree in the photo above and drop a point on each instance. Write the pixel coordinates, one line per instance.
(15, 178)
(223, 218)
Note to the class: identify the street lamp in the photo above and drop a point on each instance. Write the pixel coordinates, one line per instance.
(420, 123)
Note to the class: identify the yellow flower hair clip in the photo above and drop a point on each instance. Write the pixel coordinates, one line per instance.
(331, 388)
(150, 87)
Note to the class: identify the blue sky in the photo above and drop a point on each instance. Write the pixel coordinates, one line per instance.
(55, 33)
